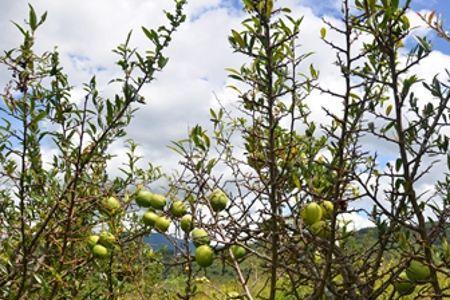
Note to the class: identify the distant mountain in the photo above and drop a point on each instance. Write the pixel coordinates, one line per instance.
(159, 241)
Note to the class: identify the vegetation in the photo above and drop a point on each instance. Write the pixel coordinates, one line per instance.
(266, 224)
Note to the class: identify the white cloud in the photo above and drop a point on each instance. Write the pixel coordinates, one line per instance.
(355, 221)
(86, 31)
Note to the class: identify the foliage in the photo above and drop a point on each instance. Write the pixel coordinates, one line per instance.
(290, 161)
(50, 204)
(266, 177)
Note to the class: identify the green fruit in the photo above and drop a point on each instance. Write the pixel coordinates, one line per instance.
(327, 209)
(417, 271)
(162, 224)
(111, 204)
(92, 240)
(107, 239)
(238, 251)
(204, 256)
(320, 229)
(200, 237)
(312, 213)
(157, 201)
(149, 218)
(404, 286)
(186, 223)
(143, 198)
(100, 251)
(218, 200)
(178, 209)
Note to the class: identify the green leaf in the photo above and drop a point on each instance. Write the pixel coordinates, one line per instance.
(269, 8)
(32, 19)
(389, 109)
(162, 61)
(398, 164)
(323, 32)
(313, 71)
(238, 38)
(151, 35)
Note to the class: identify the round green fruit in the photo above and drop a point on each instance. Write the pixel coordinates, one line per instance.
(143, 198)
(312, 213)
(178, 209)
(320, 229)
(238, 251)
(417, 271)
(186, 223)
(100, 251)
(219, 200)
(204, 256)
(403, 285)
(92, 240)
(157, 201)
(162, 224)
(149, 218)
(111, 204)
(200, 237)
(327, 209)
(107, 239)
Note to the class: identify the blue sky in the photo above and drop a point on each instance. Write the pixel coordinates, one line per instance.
(442, 7)
(324, 7)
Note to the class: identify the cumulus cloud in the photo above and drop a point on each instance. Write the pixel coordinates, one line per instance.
(86, 31)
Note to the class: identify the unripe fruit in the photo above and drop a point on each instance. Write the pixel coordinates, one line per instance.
(92, 240)
(106, 239)
(312, 213)
(327, 209)
(320, 229)
(149, 218)
(143, 198)
(100, 251)
(204, 256)
(111, 204)
(162, 224)
(404, 286)
(178, 209)
(417, 271)
(200, 237)
(186, 223)
(238, 251)
(218, 200)
(157, 201)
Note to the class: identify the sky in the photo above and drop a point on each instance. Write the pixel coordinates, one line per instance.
(86, 31)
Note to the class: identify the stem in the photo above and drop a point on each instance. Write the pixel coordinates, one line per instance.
(409, 179)
(273, 172)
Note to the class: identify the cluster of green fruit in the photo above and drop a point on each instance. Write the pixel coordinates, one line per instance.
(156, 202)
(101, 244)
(314, 215)
(416, 273)
(204, 254)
